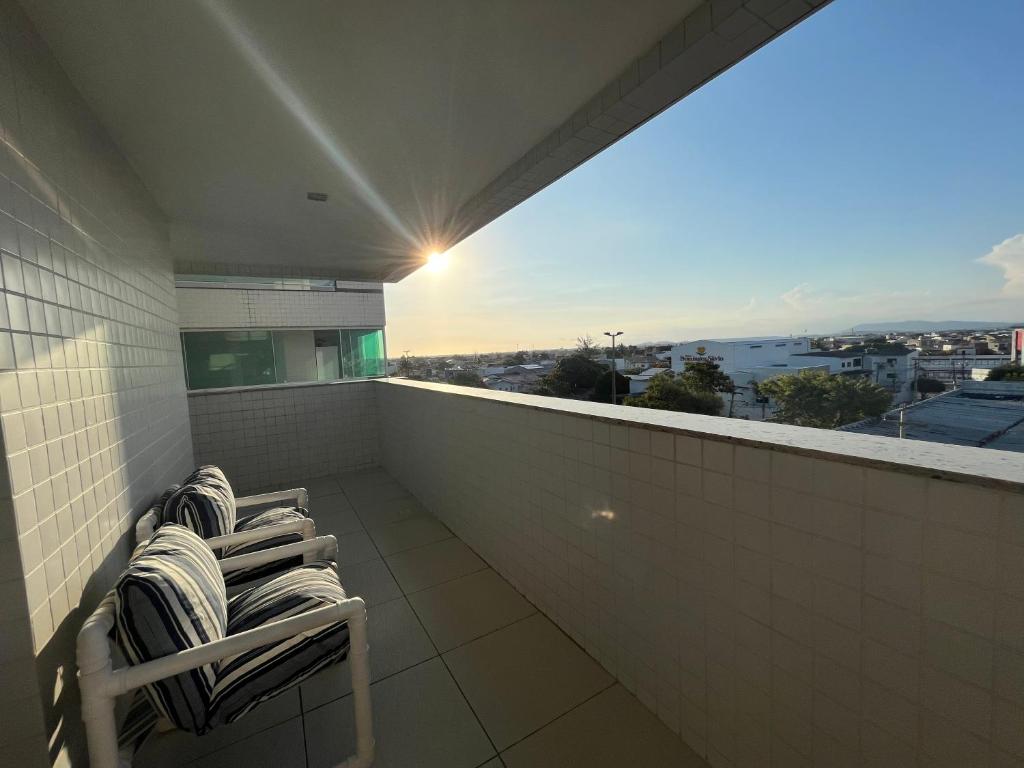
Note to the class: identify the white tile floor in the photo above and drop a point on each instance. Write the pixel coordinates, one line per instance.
(466, 673)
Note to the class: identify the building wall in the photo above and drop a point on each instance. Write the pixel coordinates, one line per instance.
(92, 397)
(778, 596)
(738, 354)
(277, 437)
(354, 305)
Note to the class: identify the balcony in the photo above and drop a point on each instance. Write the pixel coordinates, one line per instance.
(463, 665)
(747, 594)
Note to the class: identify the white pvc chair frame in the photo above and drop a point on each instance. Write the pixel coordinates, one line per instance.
(100, 684)
(149, 522)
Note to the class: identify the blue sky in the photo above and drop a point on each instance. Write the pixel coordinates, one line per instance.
(866, 166)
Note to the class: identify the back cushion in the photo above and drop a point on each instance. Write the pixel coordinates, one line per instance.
(171, 598)
(205, 504)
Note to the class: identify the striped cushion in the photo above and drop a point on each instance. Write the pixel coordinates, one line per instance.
(205, 503)
(161, 503)
(171, 598)
(248, 679)
(265, 519)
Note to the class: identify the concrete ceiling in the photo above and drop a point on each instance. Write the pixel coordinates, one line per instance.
(422, 120)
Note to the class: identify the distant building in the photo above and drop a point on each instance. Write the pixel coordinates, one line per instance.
(1017, 346)
(732, 355)
(892, 366)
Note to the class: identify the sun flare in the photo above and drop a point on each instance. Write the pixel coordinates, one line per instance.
(437, 261)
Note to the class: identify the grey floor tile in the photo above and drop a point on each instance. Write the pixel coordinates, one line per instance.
(356, 548)
(334, 514)
(407, 534)
(423, 567)
(495, 763)
(377, 512)
(464, 609)
(363, 495)
(175, 748)
(522, 677)
(364, 478)
(370, 580)
(282, 746)
(319, 487)
(612, 729)
(397, 642)
(420, 721)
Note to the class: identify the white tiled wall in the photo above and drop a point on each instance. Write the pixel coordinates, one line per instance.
(92, 398)
(772, 608)
(224, 308)
(271, 438)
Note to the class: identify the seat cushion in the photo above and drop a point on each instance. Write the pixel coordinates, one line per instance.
(204, 503)
(265, 519)
(246, 680)
(171, 598)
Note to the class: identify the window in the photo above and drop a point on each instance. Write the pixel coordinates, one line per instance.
(755, 346)
(217, 359)
(780, 345)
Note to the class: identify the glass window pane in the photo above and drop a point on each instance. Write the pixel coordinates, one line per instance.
(228, 358)
(362, 353)
(295, 356)
(328, 354)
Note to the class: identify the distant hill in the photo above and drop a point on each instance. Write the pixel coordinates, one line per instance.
(928, 325)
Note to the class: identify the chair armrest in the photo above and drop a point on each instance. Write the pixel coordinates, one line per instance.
(259, 534)
(322, 547)
(299, 495)
(146, 525)
(128, 678)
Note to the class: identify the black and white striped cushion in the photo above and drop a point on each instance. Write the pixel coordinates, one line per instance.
(248, 679)
(205, 504)
(265, 519)
(171, 598)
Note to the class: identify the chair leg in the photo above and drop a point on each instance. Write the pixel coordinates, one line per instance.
(100, 725)
(359, 668)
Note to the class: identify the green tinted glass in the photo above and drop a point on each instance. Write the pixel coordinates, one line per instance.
(228, 358)
(362, 353)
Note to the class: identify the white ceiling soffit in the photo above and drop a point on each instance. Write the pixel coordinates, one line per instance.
(421, 120)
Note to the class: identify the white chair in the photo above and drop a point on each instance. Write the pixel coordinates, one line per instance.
(100, 683)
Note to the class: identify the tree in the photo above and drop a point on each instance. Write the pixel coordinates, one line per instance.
(465, 379)
(928, 386)
(666, 392)
(585, 347)
(705, 377)
(603, 387)
(517, 359)
(1008, 372)
(573, 376)
(817, 399)
(404, 366)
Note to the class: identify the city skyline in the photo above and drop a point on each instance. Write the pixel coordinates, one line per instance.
(856, 170)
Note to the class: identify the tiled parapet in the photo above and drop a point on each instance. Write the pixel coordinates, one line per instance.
(817, 597)
(269, 437)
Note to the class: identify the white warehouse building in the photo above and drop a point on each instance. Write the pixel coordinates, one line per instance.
(732, 355)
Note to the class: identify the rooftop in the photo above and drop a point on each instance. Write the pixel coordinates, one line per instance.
(960, 417)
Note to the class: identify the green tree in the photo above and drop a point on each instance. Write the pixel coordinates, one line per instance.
(666, 392)
(1008, 372)
(603, 387)
(573, 376)
(465, 379)
(517, 359)
(929, 386)
(705, 377)
(817, 399)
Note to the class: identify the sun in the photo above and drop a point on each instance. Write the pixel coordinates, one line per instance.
(437, 261)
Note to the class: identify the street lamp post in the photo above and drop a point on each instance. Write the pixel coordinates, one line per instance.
(613, 335)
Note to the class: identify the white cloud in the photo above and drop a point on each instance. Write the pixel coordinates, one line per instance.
(1009, 257)
(798, 297)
